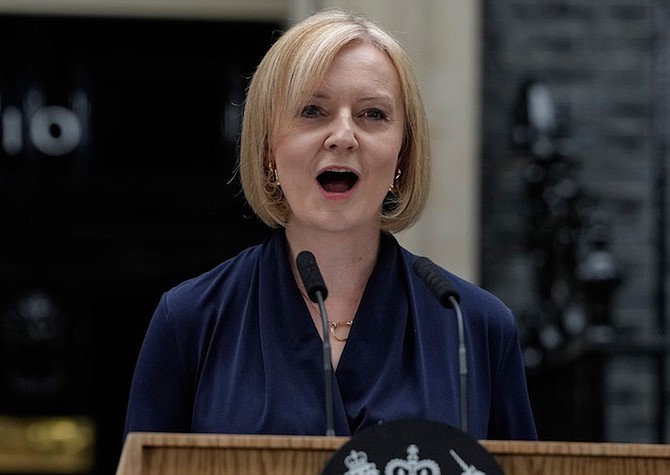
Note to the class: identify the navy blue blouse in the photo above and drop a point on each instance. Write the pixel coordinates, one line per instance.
(235, 351)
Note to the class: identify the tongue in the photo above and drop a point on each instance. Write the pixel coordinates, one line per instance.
(336, 186)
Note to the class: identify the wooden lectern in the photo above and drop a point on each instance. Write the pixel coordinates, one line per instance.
(171, 454)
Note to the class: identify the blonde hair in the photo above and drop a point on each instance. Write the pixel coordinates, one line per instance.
(286, 78)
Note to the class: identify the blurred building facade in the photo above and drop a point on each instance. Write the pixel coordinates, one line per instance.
(602, 170)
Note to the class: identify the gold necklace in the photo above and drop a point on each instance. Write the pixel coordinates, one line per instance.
(332, 326)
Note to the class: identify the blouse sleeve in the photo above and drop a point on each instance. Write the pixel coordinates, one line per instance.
(511, 414)
(160, 394)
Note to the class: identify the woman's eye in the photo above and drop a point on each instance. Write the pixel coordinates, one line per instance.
(309, 111)
(375, 114)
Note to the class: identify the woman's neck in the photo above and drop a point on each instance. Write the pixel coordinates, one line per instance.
(345, 261)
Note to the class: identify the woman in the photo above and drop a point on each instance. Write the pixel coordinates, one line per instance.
(335, 157)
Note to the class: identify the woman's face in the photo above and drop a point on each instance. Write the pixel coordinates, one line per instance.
(338, 157)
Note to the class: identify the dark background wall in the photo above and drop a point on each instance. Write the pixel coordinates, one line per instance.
(118, 146)
(595, 342)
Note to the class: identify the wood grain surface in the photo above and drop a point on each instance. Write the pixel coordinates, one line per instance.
(210, 454)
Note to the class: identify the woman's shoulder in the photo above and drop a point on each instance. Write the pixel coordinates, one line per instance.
(237, 266)
(227, 277)
(479, 302)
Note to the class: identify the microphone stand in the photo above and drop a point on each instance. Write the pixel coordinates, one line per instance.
(462, 365)
(317, 292)
(327, 365)
(446, 294)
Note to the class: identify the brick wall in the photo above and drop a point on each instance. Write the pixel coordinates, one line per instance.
(597, 58)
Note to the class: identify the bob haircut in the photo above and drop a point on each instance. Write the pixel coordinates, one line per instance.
(286, 79)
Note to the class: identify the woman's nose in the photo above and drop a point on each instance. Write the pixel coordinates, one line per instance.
(341, 133)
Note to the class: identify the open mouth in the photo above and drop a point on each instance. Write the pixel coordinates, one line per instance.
(337, 181)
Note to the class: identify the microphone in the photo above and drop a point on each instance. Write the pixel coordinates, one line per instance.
(448, 296)
(311, 276)
(317, 293)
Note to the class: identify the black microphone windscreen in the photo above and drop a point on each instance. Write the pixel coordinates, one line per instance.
(441, 287)
(311, 276)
